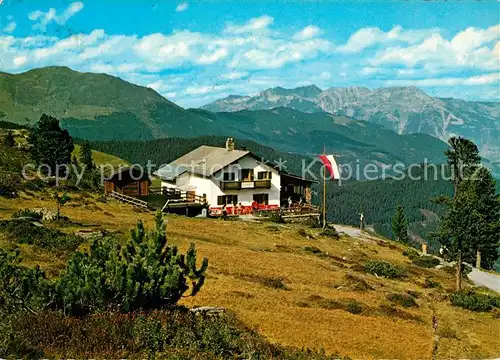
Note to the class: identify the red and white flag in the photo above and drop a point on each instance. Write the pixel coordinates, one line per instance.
(331, 165)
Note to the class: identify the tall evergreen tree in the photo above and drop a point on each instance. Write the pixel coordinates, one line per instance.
(52, 146)
(463, 158)
(400, 226)
(86, 156)
(480, 192)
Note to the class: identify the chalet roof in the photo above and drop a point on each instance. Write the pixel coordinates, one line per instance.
(204, 161)
(207, 160)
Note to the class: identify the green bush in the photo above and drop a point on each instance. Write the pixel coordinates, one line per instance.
(452, 269)
(330, 232)
(356, 283)
(354, 307)
(425, 261)
(168, 334)
(474, 301)
(430, 284)
(385, 269)
(313, 250)
(303, 233)
(270, 282)
(404, 300)
(276, 217)
(24, 232)
(312, 222)
(411, 253)
(143, 273)
(28, 213)
(8, 183)
(21, 288)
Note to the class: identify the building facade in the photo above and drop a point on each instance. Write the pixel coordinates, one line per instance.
(235, 178)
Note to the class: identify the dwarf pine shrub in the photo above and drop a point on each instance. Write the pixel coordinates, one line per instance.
(405, 300)
(385, 269)
(21, 288)
(474, 301)
(276, 217)
(24, 232)
(143, 273)
(425, 261)
(28, 213)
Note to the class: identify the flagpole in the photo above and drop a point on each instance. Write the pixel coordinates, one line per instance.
(324, 190)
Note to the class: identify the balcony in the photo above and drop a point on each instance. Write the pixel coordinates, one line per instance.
(246, 184)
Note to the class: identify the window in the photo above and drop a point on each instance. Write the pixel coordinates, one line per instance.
(264, 175)
(298, 189)
(261, 198)
(229, 176)
(227, 199)
(247, 174)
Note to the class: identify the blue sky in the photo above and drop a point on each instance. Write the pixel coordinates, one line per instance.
(195, 52)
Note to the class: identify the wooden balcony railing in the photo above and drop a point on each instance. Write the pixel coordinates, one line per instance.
(250, 184)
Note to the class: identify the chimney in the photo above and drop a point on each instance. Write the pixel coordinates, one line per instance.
(230, 144)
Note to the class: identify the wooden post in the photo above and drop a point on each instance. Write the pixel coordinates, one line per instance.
(324, 190)
(458, 273)
(478, 259)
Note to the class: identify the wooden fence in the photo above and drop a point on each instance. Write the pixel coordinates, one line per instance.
(178, 196)
(128, 199)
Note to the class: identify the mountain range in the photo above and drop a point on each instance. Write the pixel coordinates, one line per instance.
(103, 107)
(405, 110)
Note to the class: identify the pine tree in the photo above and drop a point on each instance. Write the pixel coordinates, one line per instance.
(143, 273)
(484, 205)
(400, 226)
(52, 146)
(463, 158)
(86, 156)
(61, 200)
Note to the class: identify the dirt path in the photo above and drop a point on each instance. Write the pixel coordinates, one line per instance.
(348, 230)
(491, 281)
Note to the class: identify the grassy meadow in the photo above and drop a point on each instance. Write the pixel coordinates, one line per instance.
(295, 287)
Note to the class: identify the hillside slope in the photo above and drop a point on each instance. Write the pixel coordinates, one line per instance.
(402, 109)
(101, 158)
(91, 103)
(296, 290)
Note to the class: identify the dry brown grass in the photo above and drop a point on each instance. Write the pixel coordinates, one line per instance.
(244, 257)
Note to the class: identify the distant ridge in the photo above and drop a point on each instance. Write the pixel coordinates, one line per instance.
(402, 109)
(103, 107)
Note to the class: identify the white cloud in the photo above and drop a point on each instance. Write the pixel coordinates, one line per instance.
(367, 37)
(20, 61)
(69, 47)
(182, 7)
(159, 86)
(486, 79)
(45, 18)
(467, 49)
(252, 25)
(213, 57)
(325, 75)
(279, 53)
(308, 32)
(102, 68)
(472, 38)
(234, 75)
(249, 57)
(10, 27)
